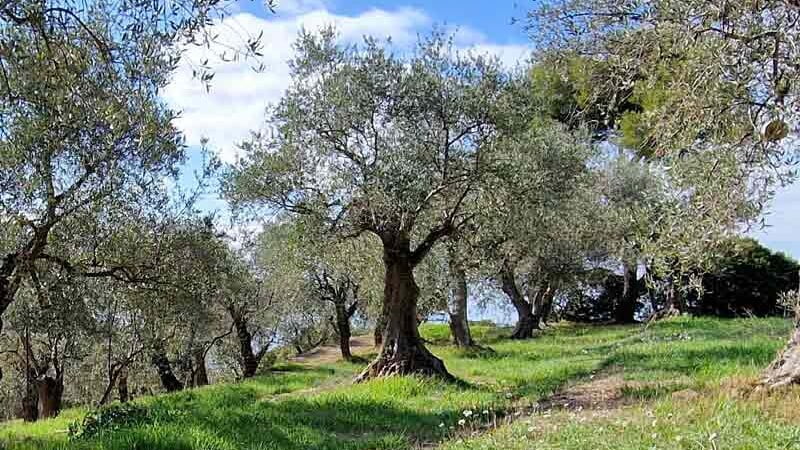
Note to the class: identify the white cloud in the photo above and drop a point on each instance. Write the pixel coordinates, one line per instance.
(239, 96)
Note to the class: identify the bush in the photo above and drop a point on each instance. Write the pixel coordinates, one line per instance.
(107, 418)
(747, 280)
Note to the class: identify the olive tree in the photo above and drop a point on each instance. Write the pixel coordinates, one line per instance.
(714, 89)
(368, 140)
(540, 172)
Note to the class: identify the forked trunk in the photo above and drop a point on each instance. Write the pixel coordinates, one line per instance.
(249, 358)
(457, 309)
(51, 391)
(785, 369)
(626, 306)
(402, 352)
(199, 372)
(527, 322)
(169, 381)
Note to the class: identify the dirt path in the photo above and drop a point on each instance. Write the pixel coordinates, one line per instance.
(329, 353)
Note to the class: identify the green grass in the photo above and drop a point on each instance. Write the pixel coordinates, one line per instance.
(317, 407)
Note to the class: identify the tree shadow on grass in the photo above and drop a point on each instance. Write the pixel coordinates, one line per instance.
(241, 417)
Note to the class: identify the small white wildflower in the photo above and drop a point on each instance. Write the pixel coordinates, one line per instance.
(441, 425)
(467, 413)
(462, 422)
(485, 412)
(530, 429)
(509, 395)
(713, 436)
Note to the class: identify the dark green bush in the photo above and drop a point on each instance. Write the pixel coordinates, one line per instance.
(111, 417)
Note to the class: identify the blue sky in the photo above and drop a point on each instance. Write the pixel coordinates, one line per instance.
(239, 96)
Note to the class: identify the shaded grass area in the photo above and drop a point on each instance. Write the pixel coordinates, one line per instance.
(301, 407)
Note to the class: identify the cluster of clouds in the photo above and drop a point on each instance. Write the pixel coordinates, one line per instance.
(238, 97)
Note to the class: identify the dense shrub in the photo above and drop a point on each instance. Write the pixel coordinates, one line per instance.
(747, 280)
(111, 417)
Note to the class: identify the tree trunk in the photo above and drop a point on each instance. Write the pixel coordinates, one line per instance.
(380, 325)
(30, 403)
(249, 359)
(343, 330)
(199, 372)
(169, 381)
(51, 391)
(526, 321)
(626, 305)
(547, 305)
(785, 369)
(457, 309)
(674, 303)
(402, 352)
(122, 386)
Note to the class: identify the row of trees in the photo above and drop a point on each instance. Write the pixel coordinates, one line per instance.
(394, 181)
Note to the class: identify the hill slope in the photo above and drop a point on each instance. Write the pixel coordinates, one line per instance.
(673, 385)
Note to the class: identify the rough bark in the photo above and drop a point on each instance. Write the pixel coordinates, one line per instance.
(626, 305)
(403, 351)
(30, 401)
(122, 386)
(457, 309)
(547, 306)
(343, 329)
(50, 393)
(785, 369)
(169, 381)
(526, 321)
(250, 359)
(199, 371)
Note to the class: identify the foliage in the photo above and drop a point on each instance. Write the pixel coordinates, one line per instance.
(109, 419)
(747, 280)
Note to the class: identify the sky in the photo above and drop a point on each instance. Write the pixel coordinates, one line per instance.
(236, 102)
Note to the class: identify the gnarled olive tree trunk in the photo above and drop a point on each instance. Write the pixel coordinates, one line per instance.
(51, 393)
(30, 399)
(527, 322)
(122, 386)
(403, 351)
(457, 308)
(785, 369)
(169, 381)
(199, 371)
(343, 329)
(626, 305)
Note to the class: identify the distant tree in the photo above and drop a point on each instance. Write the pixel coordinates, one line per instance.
(368, 141)
(339, 276)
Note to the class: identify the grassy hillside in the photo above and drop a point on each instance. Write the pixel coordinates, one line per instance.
(677, 384)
